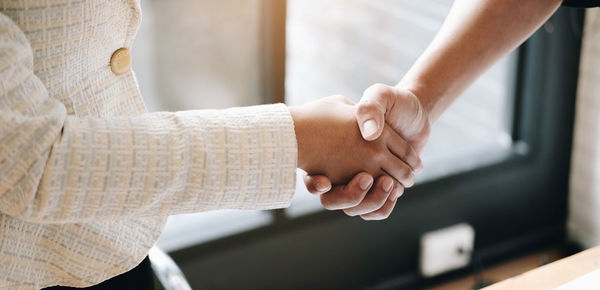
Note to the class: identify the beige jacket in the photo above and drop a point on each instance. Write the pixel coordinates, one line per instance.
(87, 176)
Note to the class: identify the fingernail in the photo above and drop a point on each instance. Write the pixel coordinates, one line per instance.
(365, 182)
(369, 128)
(321, 187)
(387, 185)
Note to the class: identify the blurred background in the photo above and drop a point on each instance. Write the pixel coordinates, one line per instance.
(201, 54)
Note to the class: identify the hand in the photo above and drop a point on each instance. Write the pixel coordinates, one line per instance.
(382, 104)
(329, 143)
(359, 196)
(397, 107)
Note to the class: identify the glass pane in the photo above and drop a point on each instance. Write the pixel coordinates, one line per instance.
(200, 54)
(344, 46)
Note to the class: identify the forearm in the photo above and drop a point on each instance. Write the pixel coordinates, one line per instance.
(474, 36)
(163, 163)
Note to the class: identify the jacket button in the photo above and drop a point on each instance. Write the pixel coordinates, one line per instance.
(120, 61)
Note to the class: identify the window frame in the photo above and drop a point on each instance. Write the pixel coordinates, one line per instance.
(516, 204)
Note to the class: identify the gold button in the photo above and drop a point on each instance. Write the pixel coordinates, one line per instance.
(120, 61)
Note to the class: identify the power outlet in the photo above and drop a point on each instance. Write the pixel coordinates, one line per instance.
(446, 249)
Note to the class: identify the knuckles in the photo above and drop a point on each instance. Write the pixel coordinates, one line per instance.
(378, 90)
(365, 107)
(409, 178)
(406, 152)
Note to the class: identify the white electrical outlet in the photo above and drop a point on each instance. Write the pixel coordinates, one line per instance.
(446, 249)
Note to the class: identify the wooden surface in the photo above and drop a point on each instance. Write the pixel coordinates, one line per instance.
(503, 270)
(554, 274)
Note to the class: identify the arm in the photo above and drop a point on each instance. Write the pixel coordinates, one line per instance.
(60, 168)
(474, 36)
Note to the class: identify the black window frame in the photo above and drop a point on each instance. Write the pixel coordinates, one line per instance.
(516, 204)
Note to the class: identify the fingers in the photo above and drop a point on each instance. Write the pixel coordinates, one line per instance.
(317, 184)
(398, 192)
(397, 169)
(349, 195)
(371, 203)
(376, 101)
(385, 211)
(375, 199)
(399, 147)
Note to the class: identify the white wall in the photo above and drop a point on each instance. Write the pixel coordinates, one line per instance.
(584, 195)
(198, 54)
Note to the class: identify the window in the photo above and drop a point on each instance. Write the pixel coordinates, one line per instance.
(506, 175)
(344, 46)
(201, 54)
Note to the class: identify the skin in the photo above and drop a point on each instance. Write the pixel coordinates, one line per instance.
(474, 36)
(330, 143)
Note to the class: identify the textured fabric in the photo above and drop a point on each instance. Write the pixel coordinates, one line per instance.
(87, 176)
(139, 278)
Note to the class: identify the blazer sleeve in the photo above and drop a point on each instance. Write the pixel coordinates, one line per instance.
(58, 168)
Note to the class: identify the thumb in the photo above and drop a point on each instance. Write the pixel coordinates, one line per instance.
(317, 184)
(370, 113)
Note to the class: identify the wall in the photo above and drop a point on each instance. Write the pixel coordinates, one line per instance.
(584, 194)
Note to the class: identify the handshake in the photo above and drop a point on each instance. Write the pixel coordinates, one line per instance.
(354, 147)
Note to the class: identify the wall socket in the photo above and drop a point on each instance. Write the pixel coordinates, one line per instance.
(446, 249)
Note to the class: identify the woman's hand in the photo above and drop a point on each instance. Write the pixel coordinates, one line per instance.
(409, 120)
(359, 196)
(330, 144)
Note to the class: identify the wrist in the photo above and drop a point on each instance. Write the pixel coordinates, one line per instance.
(427, 97)
(301, 139)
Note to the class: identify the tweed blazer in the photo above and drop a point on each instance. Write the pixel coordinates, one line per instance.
(87, 175)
